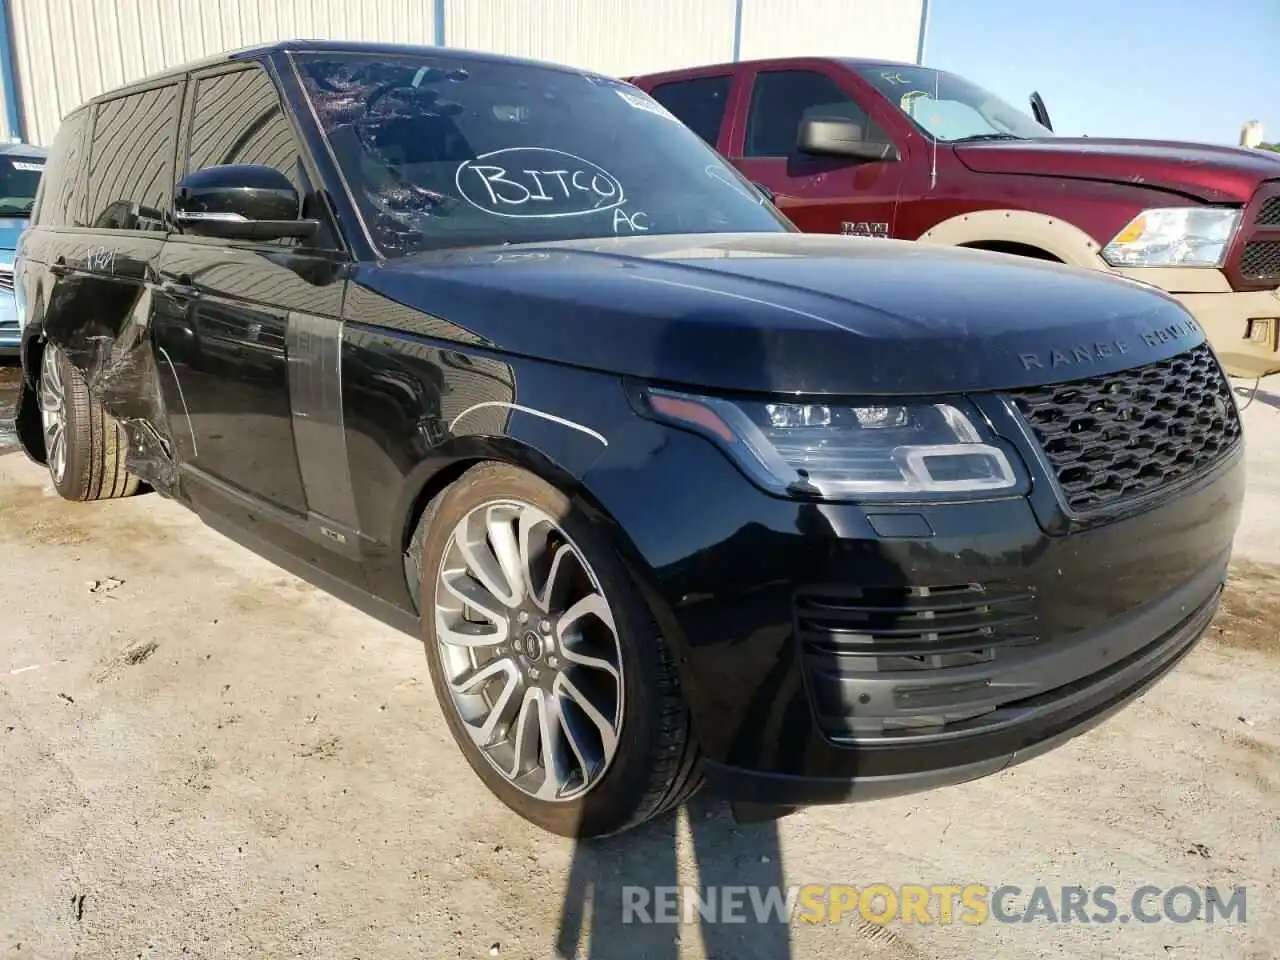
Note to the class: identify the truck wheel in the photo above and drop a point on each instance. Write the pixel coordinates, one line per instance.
(554, 678)
(84, 447)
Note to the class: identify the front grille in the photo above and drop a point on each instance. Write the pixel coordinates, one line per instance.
(1120, 436)
(880, 629)
(1269, 215)
(6, 279)
(1261, 260)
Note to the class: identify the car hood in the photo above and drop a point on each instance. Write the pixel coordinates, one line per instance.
(1203, 171)
(781, 312)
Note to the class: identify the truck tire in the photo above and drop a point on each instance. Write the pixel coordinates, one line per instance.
(554, 679)
(84, 447)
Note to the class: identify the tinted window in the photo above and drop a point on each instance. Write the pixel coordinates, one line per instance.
(781, 100)
(238, 119)
(19, 183)
(700, 103)
(437, 155)
(131, 160)
(60, 201)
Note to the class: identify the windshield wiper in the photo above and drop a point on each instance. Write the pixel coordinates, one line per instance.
(986, 136)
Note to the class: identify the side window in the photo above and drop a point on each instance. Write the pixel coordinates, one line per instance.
(699, 104)
(131, 159)
(781, 99)
(60, 199)
(238, 119)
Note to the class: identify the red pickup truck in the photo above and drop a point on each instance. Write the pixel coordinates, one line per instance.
(882, 149)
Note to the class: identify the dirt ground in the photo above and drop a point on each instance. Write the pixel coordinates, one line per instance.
(202, 756)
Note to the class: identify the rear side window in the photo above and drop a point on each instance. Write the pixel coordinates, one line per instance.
(131, 160)
(238, 119)
(782, 99)
(60, 200)
(699, 104)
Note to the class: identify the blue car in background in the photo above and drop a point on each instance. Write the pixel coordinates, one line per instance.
(21, 165)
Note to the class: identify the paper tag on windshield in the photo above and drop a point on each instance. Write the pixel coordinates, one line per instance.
(646, 104)
(23, 165)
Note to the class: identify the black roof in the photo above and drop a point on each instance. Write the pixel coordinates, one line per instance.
(852, 62)
(264, 50)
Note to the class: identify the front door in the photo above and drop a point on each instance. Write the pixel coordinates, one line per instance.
(819, 194)
(241, 332)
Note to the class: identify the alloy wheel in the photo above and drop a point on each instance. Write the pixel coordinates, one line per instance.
(53, 413)
(530, 651)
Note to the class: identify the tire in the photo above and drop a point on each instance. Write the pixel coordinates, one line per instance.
(655, 766)
(84, 447)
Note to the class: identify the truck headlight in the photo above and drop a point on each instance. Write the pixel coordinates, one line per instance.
(1174, 237)
(881, 450)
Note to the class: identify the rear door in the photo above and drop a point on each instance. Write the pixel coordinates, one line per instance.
(131, 146)
(819, 194)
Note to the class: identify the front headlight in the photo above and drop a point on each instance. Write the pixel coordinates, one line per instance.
(838, 451)
(1174, 237)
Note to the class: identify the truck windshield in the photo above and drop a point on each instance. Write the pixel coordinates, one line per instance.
(441, 152)
(19, 180)
(950, 108)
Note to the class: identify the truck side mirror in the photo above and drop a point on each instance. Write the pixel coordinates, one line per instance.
(832, 136)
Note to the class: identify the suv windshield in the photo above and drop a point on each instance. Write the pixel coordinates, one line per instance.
(19, 180)
(440, 152)
(950, 108)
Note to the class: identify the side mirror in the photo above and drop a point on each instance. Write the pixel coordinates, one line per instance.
(831, 136)
(241, 201)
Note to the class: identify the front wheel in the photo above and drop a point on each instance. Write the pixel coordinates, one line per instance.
(554, 679)
(84, 447)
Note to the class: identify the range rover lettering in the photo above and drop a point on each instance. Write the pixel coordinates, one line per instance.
(672, 493)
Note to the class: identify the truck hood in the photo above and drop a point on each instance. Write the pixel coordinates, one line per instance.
(1202, 171)
(780, 312)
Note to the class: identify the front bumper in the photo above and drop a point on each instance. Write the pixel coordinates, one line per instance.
(1243, 327)
(794, 624)
(1033, 727)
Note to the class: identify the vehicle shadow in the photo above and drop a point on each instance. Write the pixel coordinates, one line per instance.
(1249, 394)
(621, 898)
(699, 872)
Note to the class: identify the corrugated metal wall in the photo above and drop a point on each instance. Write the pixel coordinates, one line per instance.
(618, 37)
(69, 50)
(884, 29)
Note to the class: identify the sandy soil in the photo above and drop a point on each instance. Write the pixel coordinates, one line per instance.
(202, 756)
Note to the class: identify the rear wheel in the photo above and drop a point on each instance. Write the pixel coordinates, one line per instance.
(554, 678)
(84, 447)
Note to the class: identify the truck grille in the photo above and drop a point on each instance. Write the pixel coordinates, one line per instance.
(1261, 260)
(1120, 436)
(6, 279)
(1269, 215)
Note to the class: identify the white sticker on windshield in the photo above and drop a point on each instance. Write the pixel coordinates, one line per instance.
(25, 165)
(537, 182)
(647, 104)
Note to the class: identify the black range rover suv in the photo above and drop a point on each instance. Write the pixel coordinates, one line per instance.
(505, 355)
